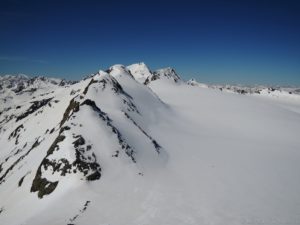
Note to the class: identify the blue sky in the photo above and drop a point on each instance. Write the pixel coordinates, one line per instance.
(250, 42)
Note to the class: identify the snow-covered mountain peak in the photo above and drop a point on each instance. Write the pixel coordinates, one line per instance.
(194, 82)
(15, 77)
(11, 81)
(101, 73)
(167, 74)
(118, 70)
(140, 71)
(19, 82)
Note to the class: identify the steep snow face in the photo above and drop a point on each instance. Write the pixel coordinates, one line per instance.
(140, 71)
(175, 153)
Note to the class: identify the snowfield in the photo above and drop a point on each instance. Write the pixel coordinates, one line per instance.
(133, 146)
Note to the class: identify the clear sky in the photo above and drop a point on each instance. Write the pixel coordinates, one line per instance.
(215, 41)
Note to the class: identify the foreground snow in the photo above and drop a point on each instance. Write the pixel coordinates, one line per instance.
(168, 153)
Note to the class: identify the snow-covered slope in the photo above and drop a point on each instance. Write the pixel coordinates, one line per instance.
(112, 150)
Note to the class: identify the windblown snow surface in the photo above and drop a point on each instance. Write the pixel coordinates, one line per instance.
(132, 146)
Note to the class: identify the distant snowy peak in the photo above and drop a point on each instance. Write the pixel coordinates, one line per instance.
(118, 70)
(168, 74)
(13, 77)
(193, 82)
(19, 83)
(11, 81)
(140, 71)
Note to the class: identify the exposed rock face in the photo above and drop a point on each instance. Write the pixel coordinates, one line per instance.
(33, 108)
